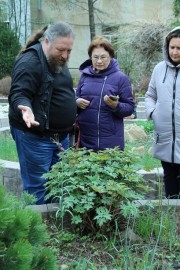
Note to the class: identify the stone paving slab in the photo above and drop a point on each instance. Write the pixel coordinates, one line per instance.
(3, 100)
(4, 129)
(4, 122)
(4, 106)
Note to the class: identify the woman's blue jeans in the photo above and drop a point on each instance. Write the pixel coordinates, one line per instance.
(36, 157)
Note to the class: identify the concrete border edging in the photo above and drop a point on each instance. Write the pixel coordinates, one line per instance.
(47, 209)
(10, 177)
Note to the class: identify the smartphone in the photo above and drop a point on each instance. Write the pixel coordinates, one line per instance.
(114, 97)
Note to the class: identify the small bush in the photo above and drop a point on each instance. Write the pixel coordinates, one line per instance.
(143, 85)
(23, 237)
(97, 187)
(148, 125)
(9, 47)
(5, 85)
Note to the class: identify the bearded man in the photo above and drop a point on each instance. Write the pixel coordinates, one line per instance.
(42, 107)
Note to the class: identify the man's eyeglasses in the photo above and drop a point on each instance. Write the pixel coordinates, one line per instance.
(102, 58)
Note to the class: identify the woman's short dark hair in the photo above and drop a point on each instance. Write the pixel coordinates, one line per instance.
(98, 42)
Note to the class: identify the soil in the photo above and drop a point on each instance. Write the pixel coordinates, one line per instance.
(100, 253)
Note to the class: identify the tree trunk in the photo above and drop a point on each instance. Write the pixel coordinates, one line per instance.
(91, 19)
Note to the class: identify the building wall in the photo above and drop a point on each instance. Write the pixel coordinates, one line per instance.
(137, 11)
(124, 14)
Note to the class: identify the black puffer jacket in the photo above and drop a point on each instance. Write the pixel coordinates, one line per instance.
(32, 86)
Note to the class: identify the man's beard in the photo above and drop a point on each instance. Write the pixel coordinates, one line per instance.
(54, 65)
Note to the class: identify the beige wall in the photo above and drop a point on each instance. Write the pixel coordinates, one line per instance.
(137, 11)
(123, 13)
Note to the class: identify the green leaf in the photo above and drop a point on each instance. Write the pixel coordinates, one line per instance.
(102, 216)
(76, 219)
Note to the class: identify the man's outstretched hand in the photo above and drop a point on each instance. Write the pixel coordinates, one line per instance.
(28, 116)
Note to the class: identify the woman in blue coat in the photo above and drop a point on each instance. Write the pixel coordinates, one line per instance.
(104, 98)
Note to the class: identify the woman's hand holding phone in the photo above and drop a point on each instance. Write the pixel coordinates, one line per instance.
(111, 101)
(114, 97)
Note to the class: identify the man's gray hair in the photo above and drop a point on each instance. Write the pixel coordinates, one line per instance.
(59, 29)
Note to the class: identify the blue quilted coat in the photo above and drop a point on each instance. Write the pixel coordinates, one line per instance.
(100, 126)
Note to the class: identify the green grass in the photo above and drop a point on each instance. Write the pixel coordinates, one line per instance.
(146, 161)
(7, 147)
